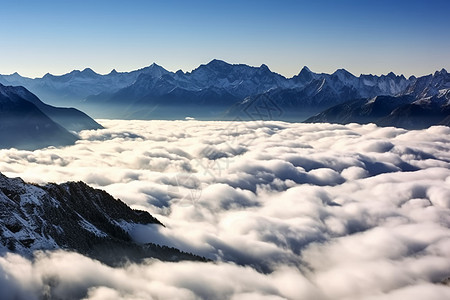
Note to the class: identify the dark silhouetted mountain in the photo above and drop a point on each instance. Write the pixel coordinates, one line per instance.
(28, 123)
(24, 126)
(70, 118)
(420, 114)
(424, 103)
(74, 217)
(361, 111)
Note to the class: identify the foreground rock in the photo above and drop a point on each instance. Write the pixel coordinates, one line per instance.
(75, 217)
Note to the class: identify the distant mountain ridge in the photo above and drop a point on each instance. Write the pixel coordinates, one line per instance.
(207, 91)
(216, 90)
(423, 103)
(73, 86)
(28, 123)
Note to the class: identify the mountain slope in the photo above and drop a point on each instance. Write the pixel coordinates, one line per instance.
(23, 125)
(70, 118)
(73, 216)
(430, 85)
(28, 123)
(426, 102)
(420, 114)
(312, 93)
(360, 110)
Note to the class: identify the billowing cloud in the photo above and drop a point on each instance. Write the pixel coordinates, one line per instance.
(296, 211)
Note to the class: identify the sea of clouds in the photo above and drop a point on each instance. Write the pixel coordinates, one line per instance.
(286, 211)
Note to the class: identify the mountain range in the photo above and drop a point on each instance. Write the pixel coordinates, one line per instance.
(28, 123)
(74, 217)
(424, 103)
(219, 90)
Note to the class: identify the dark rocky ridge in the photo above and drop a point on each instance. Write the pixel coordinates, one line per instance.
(74, 217)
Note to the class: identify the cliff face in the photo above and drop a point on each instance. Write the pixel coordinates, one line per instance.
(75, 217)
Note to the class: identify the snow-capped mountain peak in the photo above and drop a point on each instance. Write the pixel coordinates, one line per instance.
(220, 82)
(155, 70)
(346, 77)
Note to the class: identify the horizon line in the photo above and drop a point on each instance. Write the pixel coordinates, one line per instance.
(234, 64)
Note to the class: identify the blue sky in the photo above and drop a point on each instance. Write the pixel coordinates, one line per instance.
(409, 37)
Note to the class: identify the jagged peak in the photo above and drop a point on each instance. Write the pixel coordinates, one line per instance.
(391, 74)
(343, 75)
(71, 73)
(113, 72)
(47, 75)
(305, 74)
(305, 69)
(88, 71)
(218, 63)
(155, 66)
(264, 69)
(154, 70)
(441, 72)
(343, 72)
(215, 60)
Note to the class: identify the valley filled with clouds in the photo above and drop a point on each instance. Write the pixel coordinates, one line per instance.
(284, 210)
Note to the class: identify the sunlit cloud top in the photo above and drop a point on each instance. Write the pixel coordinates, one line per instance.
(326, 211)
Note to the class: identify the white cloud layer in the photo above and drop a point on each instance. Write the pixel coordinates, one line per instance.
(288, 211)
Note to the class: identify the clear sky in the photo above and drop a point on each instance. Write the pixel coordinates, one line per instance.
(376, 36)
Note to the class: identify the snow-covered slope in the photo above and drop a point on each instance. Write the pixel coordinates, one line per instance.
(430, 85)
(424, 103)
(72, 216)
